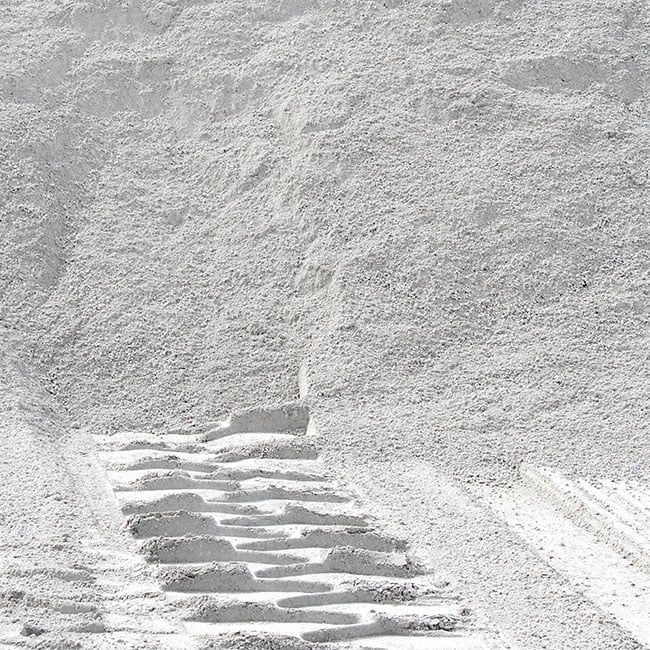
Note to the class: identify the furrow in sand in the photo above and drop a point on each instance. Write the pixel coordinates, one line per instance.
(223, 481)
(207, 548)
(229, 577)
(298, 514)
(174, 480)
(180, 523)
(375, 591)
(211, 609)
(593, 532)
(349, 560)
(385, 625)
(323, 538)
(194, 502)
(617, 513)
(208, 468)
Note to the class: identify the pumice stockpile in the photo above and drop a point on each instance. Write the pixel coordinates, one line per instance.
(438, 209)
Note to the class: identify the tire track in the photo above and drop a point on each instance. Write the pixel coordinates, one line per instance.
(594, 532)
(250, 537)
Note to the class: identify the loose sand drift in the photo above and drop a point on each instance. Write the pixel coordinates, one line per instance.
(438, 206)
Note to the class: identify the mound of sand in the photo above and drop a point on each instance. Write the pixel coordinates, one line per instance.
(439, 206)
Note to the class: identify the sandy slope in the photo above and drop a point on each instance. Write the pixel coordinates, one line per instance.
(439, 205)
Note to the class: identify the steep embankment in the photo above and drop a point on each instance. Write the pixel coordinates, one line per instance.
(200, 195)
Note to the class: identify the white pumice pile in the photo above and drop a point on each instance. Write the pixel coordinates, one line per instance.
(436, 208)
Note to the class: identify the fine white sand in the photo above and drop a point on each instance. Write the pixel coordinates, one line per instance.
(437, 208)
